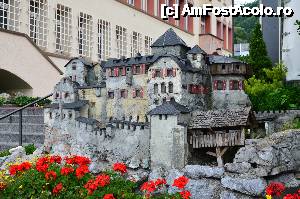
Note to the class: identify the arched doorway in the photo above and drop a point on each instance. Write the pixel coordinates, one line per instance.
(10, 83)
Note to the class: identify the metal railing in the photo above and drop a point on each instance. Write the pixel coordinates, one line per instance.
(20, 110)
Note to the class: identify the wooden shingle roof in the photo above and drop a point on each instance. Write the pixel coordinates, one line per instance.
(220, 118)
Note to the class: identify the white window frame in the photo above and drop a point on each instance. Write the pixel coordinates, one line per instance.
(121, 41)
(131, 2)
(104, 39)
(186, 20)
(10, 10)
(38, 22)
(145, 5)
(63, 29)
(148, 42)
(85, 35)
(136, 43)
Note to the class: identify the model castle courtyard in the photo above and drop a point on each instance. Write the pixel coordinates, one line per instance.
(151, 111)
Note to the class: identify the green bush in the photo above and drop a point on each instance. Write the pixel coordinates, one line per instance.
(24, 100)
(29, 149)
(4, 153)
(2, 101)
(270, 93)
(295, 124)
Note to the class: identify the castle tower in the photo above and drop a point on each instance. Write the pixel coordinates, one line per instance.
(170, 43)
(228, 75)
(197, 57)
(168, 129)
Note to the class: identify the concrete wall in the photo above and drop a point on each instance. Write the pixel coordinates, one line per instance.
(20, 57)
(291, 43)
(271, 33)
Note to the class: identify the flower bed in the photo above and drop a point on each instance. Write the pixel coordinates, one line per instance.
(276, 189)
(57, 177)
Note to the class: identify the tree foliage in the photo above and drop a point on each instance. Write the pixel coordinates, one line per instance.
(270, 93)
(243, 26)
(298, 24)
(258, 55)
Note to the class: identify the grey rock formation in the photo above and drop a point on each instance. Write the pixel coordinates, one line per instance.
(254, 186)
(273, 155)
(233, 195)
(289, 180)
(204, 189)
(197, 171)
(243, 167)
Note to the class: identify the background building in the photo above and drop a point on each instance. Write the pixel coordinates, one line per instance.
(241, 49)
(96, 30)
(282, 39)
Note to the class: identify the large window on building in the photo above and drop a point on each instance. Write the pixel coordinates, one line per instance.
(121, 38)
(9, 14)
(85, 34)
(148, 43)
(219, 29)
(131, 2)
(145, 5)
(63, 29)
(202, 25)
(104, 39)
(136, 43)
(38, 26)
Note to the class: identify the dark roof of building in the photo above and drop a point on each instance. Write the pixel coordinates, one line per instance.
(82, 60)
(89, 121)
(220, 118)
(219, 59)
(74, 105)
(169, 38)
(196, 50)
(148, 59)
(169, 108)
(99, 85)
(184, 64)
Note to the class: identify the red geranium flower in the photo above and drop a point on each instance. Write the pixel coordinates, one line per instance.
(42, 168)
(92, 185)
(120, 167)
(24, 166)
(108, 196)
(50, 175)
(149, 187)
(275, 189)
(57, 188)
(55, 159)
(66, 171)
(102, 180)
(81, 171)
(160, 181)
(293, 196)
(181, 182)
(42, 164)
(13, 169)
(185, 194)
(79, 160)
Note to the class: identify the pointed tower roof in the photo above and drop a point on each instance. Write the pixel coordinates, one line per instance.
(169, 38)
(197, 50)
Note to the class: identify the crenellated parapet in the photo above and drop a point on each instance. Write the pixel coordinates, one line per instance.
(272, 115)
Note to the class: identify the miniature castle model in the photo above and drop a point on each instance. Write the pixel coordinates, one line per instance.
(150, 111)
